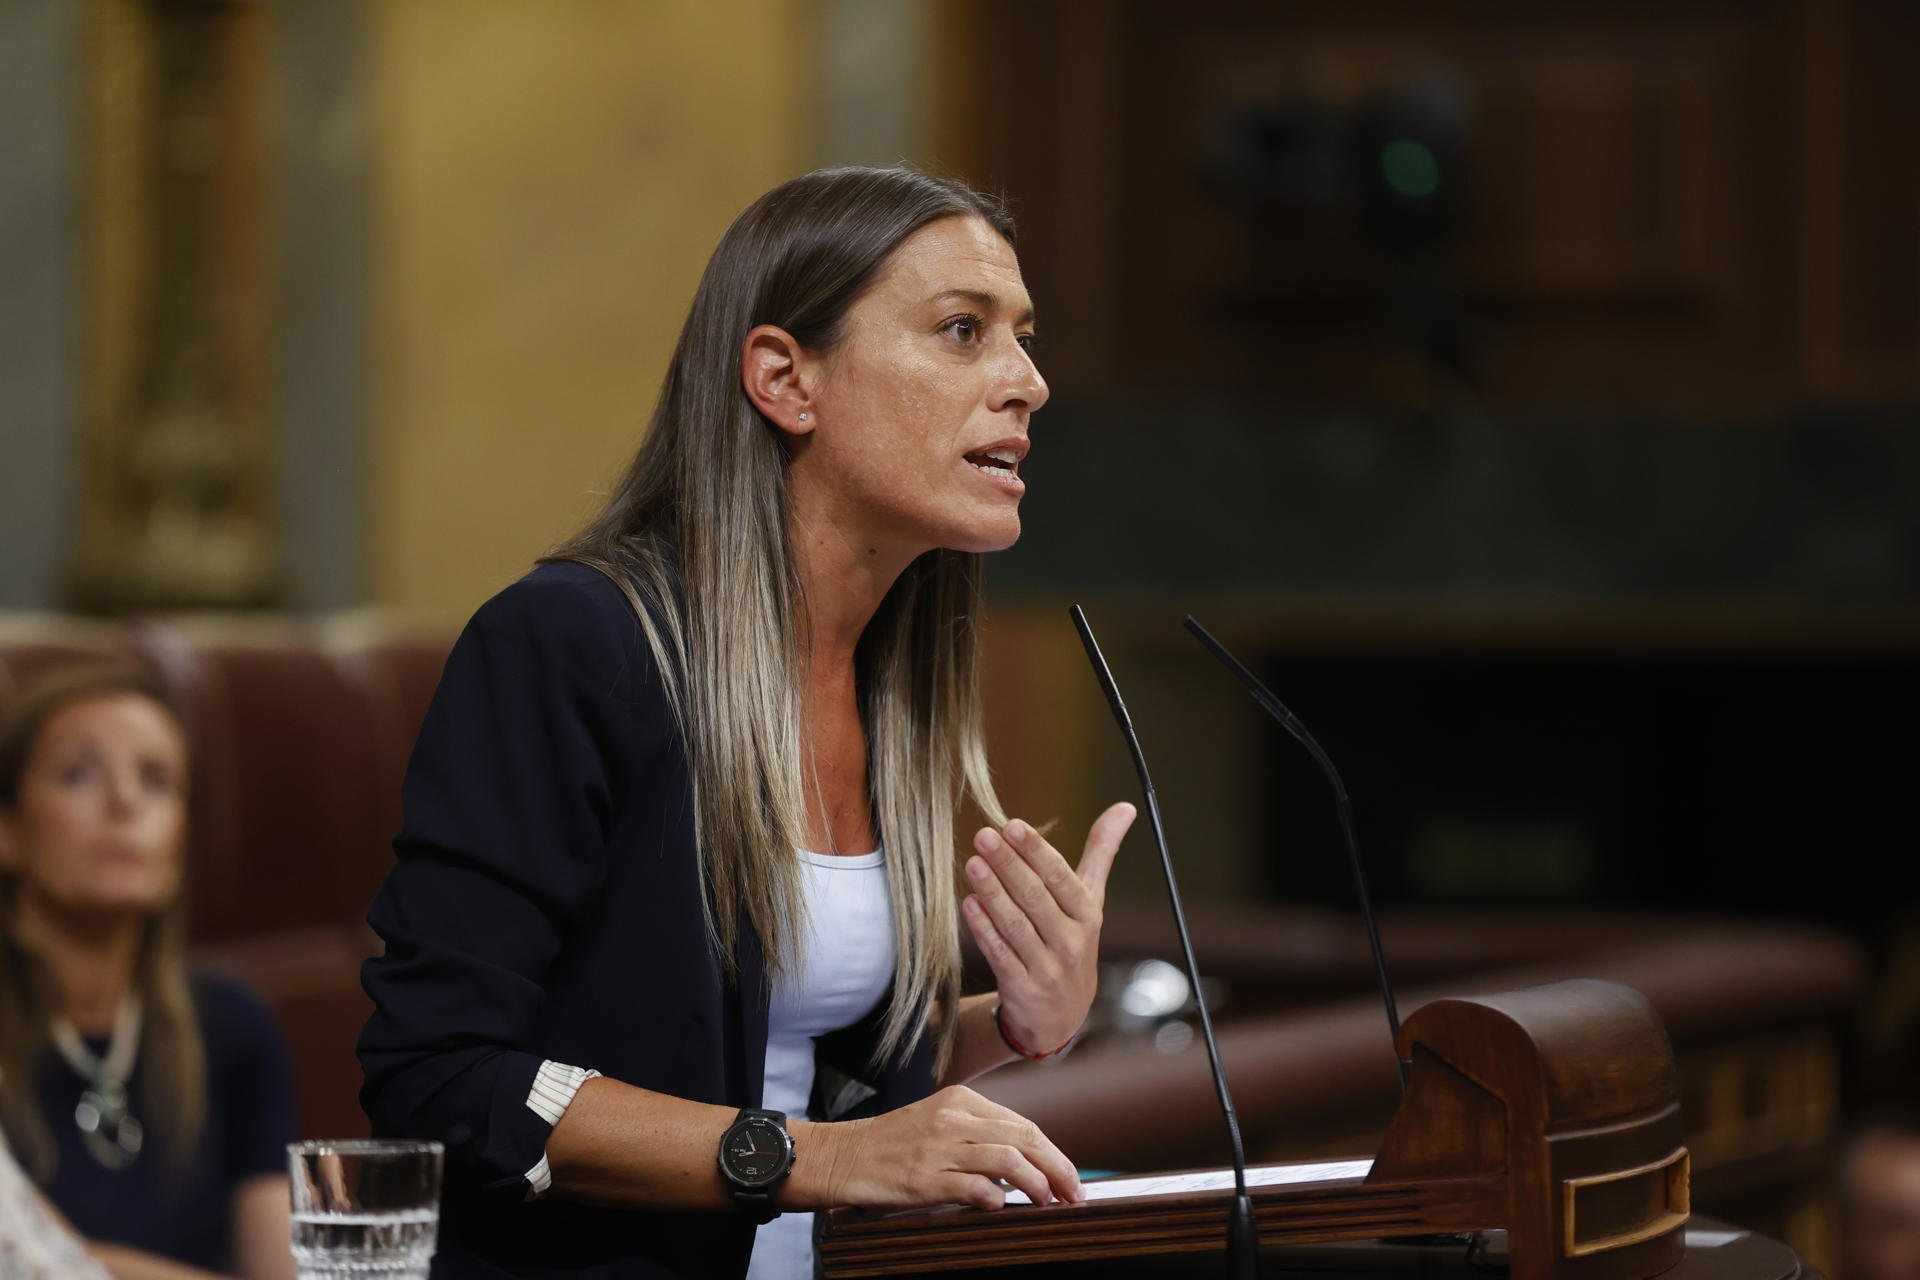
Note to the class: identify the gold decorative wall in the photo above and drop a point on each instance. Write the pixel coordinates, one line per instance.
(543, 185)
(178, 496)
(548, 182)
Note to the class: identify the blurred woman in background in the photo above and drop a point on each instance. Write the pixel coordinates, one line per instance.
(149, 1103)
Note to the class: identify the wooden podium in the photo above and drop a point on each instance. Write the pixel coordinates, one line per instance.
(1550, 1113)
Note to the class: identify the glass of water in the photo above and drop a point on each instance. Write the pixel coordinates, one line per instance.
(365, 1209)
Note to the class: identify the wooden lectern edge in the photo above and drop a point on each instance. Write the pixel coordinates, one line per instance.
(1346, 1209)
(1530, 1098)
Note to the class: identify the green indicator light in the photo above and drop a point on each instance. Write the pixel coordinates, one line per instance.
(1409, 168)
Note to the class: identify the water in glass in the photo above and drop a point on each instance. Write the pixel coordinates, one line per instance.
(364, 1210)
(339, 1246)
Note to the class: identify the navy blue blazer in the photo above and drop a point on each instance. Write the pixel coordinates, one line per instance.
(545, 904)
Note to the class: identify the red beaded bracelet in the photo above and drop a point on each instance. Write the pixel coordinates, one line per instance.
(1016, 1046)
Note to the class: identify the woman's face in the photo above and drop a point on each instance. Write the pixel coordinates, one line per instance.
(922, 412)
(99, 828)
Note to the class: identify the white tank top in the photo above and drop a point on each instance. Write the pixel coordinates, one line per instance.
(846, 969)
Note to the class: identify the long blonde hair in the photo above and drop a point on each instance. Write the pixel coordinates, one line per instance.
(696, 535)
(173, 1055)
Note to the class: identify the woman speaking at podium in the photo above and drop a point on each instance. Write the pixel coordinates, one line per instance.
(672, 942)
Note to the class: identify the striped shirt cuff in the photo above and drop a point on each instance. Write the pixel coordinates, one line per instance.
(554, 1085)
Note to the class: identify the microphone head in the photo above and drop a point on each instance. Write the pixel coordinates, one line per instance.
(1103, 673)
(1262, 695)
(1272, 705)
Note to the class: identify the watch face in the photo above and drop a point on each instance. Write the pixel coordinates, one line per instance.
(755, 1151)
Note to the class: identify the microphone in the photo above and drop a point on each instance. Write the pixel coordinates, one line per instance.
(1243, 1242)
(1291, 723)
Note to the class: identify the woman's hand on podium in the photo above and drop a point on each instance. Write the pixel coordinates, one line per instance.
(951, 1148)
(1037, 921)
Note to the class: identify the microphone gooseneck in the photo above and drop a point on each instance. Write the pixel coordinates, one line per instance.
(1291, 723)
(1243, 1242)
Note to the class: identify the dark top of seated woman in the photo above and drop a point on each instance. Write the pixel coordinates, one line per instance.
(179, 1207)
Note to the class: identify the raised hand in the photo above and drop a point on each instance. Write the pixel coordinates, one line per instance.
(1037, 921)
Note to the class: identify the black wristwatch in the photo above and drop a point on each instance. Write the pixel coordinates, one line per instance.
(756, 1153)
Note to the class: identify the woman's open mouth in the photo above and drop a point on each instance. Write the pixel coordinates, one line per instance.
(995, 462)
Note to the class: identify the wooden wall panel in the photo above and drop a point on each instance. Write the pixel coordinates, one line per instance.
(1697, 207)
(1860, 239)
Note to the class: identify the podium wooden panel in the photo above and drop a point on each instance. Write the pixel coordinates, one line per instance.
(1746, 1256)
(1551, 1114)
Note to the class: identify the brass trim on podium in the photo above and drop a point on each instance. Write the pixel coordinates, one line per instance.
(1677, 1169)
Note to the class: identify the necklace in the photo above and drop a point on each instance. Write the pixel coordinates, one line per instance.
(108, 1128)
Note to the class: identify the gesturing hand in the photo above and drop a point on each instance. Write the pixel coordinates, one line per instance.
(1037, 921)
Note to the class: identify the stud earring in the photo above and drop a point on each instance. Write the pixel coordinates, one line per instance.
(805, 416)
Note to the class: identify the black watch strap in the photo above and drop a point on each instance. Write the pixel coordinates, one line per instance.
(757, 1201)
(757, 1205)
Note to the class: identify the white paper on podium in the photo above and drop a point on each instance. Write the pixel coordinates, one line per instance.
(1169, 1184)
